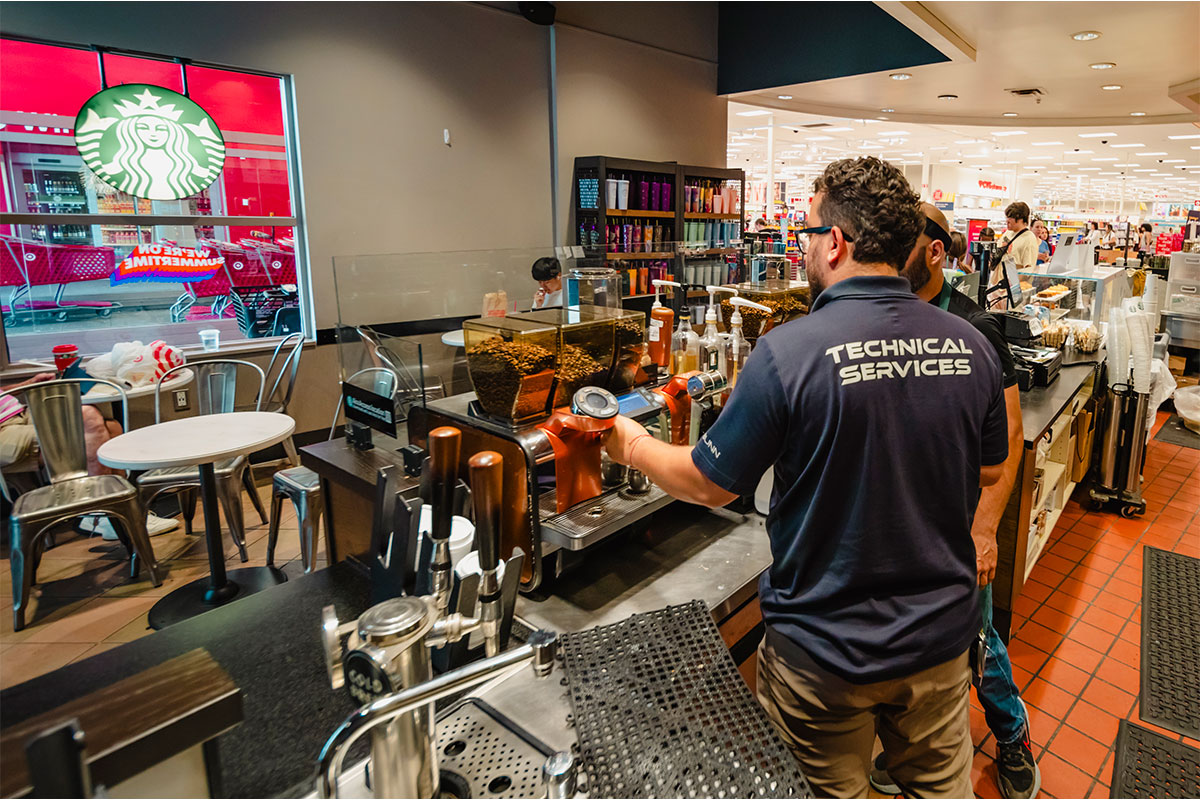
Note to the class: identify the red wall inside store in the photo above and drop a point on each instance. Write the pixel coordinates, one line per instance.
(44, 79)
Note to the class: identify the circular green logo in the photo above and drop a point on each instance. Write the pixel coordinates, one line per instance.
(149, 142)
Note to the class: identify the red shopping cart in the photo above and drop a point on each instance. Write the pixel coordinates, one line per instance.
(25, 264)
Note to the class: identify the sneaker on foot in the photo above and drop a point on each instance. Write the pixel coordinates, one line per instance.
(156, 525)
(879, 778)
(1018, 773)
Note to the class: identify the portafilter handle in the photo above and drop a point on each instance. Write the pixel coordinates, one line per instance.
(487, 475)
(445, 445)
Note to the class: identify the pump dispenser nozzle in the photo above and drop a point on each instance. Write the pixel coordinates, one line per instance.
(712, 354)
(661, 320)
(737, 348)
(658, 284)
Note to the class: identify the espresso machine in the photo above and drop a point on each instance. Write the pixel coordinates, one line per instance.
(385, 659)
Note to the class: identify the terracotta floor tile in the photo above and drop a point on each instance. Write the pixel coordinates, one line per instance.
(1067, 604)
(1078, 749)
(1036, 591)
(983, 776)
(1048, 697)
(1120, 675)
(1095, 722)
(1102, 619)
(1098, 639)
(1056, 563)
(1123, 589)
(1064, 675)
(1114, 603)
(1042, 726)
(1026, 656)
(1091, 576)
(1061, 779)
(1104, 695)
(1079, 655)
(1079, 589)
(1055, 620)
(1021, 676)
(1127, 653)
(1132, 632)
(1039, 636)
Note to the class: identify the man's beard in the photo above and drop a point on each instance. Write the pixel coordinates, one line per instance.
(917, 273)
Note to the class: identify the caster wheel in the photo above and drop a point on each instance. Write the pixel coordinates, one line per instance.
(1130, 511)
(60, 316)
(104, 313)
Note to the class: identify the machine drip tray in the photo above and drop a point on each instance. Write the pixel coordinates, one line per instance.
(482, 753)
(587, 523)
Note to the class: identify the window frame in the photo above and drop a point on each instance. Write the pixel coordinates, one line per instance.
(295, 197)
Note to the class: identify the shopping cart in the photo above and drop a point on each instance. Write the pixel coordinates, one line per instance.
(277, 261)
(25, 264)
(217, 287)
(259, 311)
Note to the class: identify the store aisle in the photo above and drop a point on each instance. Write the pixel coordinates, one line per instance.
(1076, 647)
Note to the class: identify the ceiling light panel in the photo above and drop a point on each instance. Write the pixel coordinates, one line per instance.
(1096, 135)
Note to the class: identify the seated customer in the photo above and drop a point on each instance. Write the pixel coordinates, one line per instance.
(548, 273)
(19, 451)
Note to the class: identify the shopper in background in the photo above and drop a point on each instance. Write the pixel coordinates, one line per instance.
(860, 407)
(1018, 241)
(1110, 235)
(1145, 241)
(1094, 234)
(1043, 234)
(1006, 717)
(548, 273)
(960, 253)
(987, 235)
(760, 225)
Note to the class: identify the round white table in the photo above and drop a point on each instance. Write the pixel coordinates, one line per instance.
(105, 394)
(201, 441)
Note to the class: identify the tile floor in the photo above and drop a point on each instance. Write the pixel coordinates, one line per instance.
(85, 603)
(1076, 644)
(1075, 648)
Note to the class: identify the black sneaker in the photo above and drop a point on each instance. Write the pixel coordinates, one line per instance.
(879, 778)
(1018, 773)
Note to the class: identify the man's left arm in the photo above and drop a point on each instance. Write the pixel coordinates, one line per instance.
(994, 499)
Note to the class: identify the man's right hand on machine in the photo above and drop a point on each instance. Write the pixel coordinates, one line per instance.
(669, 466)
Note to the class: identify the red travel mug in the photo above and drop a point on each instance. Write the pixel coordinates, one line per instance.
(64, 356)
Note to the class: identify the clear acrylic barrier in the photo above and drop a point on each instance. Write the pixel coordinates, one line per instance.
(1074, 297)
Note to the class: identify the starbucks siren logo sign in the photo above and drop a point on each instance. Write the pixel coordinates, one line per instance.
(149, 142)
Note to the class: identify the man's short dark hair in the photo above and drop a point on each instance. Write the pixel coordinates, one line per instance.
(873, 204)
(1018, 211)
(546, 269)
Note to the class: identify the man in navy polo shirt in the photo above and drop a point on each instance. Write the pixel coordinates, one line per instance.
(859, 407)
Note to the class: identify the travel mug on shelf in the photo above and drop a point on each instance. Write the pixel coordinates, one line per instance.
(610, 192)
(643, 194)
(655, 194)
(623, 194)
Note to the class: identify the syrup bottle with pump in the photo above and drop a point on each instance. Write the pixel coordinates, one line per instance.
(662, 320)
(712, 348)
(685, 345)
(737, 348)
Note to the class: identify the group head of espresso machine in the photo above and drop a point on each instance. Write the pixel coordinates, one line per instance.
(386, 658)
(561, 494)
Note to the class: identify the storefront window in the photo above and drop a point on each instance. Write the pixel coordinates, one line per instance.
(73, 269)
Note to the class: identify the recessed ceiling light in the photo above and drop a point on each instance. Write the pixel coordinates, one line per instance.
(1187, 136)
(947, 97)
(888, 110)
(976, 155)
(1096, 135)
(912, 154)
(785, 97)
(1010, 113)
(939, 147)
(1106, 158)
(892, 133)
(1041, 158)
(819, 138)
(1008, 133)
(1137, 113)
(969, 141)
(1111, 87)
(948, 161)
(1085, 36)
(758, 112)
(1146, 169)
(1089, 169)
(1102, 65)
(1045, 144)
(1155, 153)
(900, 76)
(837, 130)
(1139, 144)
(1172, 161)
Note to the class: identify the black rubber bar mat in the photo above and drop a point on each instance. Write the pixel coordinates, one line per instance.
(661, 711)
(1149, 764)
(1171, 641)
(1174, 431)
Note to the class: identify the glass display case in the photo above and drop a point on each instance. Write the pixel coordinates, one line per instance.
(1074, 297)
(788, 299)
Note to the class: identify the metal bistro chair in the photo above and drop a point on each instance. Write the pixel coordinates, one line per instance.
(303, 486)
(280, 394)
(216, 389)
(56, 410)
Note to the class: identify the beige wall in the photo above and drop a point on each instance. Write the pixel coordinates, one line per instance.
(376, 84)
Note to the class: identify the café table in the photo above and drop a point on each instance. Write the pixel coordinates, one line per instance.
(202, 441)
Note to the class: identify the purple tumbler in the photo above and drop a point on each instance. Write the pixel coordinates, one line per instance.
(665, 205)
(654, 195)
(644, 194)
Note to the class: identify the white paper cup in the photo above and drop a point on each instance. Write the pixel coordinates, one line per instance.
(622, 194)
(462, 535)
(610, 192)
(210, 340)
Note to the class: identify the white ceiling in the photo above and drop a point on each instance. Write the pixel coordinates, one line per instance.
(1155, 46)
(1109, 166)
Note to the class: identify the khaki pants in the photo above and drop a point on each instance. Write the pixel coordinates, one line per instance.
(830, 724)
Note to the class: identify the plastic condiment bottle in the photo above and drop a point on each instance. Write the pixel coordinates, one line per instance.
(736, 347)
(685, 345)
(662, 320)
(712, 350)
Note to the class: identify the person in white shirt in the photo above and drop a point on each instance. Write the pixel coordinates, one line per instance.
(548, 273)
(1095, 235)
(1021, 242)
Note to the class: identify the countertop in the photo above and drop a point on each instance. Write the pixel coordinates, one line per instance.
(1042, 405)
(270, 645)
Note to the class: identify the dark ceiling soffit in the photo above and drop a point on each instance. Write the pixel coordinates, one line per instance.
(764, 45)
